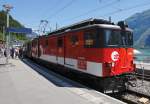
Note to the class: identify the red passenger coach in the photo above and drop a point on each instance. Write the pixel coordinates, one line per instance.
(94, 47)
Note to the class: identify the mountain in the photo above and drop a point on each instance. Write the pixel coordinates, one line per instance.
(12, 23)
(140, 23)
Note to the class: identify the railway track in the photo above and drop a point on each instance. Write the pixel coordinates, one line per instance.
(133, 97)
(143, 76)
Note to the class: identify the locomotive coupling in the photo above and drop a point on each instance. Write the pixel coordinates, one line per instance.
(130, 80)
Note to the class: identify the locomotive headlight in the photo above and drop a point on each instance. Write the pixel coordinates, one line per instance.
(108, 65)
(113, 64)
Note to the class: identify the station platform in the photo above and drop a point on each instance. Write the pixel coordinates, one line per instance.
(23, 82)
(2, 60)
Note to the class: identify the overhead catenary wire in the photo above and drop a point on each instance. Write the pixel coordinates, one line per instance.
(71, 2)
(120, 10)
(98, 8)
(94, 10)
(42, 26)
(126, 9)
(88, 12)
(61, 9)
(50, 8)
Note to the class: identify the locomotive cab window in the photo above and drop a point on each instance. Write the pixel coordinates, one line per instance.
(60, 42)
(112, 37)
(118, 38)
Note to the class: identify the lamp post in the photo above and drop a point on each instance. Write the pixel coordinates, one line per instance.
(3, 33)
(7, 8)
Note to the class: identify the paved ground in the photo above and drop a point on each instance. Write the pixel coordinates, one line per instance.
(2, 60)
(20, 84)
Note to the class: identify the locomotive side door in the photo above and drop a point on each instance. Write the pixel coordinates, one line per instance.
(60, 50)
(71, 49)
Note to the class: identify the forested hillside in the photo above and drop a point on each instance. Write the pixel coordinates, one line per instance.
(13, 23)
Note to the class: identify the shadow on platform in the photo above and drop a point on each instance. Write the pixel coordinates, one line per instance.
(53, 77)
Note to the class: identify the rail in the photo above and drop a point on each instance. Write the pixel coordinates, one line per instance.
(142, 62)
(143, 77)
(134, 97)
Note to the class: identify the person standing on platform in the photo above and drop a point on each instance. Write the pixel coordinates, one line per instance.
(12, 52)
(21, 53)
(16, 53)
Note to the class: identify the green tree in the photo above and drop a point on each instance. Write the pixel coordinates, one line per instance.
(13, 23)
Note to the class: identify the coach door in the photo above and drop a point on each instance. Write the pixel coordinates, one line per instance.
(60, 50)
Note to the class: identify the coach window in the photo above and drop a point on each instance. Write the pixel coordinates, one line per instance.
(74, 39)
(90, 39)
(59, 42)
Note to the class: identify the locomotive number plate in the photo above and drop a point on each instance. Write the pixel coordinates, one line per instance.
(82, 63)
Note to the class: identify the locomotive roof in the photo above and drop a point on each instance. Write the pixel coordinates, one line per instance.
(87, 22)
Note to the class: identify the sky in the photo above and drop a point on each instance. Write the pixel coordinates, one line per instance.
(67, 12)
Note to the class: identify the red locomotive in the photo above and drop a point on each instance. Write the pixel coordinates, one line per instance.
(95, 47)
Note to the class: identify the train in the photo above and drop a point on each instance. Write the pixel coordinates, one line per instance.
(93, 48)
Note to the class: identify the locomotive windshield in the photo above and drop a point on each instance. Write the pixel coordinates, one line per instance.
(118, 38)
